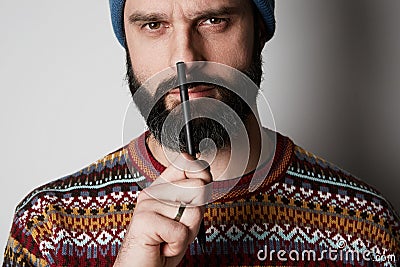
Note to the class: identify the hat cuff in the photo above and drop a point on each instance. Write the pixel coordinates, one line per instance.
(266, 8)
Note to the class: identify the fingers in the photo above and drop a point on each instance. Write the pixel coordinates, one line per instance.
(185, 167)
(183, 181)
(154, 238)
(200, 170)
(174, 236)
(192, 192)
(163, 245)
(170, 210)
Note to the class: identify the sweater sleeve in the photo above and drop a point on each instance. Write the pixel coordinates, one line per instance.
(21, 248)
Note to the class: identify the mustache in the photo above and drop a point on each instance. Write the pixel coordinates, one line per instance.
(191, 82)
(168, 84)
(152, 92)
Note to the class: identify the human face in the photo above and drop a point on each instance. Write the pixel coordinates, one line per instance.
(159, 33)
(190, 31)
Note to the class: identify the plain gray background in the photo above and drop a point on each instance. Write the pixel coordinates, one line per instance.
(332, 79)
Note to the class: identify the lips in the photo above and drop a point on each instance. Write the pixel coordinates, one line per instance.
(196, 91)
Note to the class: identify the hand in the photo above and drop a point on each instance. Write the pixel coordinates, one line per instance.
(153, 237)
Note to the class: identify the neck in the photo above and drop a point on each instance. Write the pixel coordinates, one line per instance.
(242, 157)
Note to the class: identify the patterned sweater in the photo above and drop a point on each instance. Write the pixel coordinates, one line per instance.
(307, 212)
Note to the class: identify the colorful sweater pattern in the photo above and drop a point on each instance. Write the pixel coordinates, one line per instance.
(306, 212)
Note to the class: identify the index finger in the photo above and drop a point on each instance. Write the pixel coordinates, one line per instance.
(184, 167)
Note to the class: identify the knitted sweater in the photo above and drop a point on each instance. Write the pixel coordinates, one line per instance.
(306, 212)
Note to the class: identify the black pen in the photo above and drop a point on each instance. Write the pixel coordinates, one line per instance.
(183, 90)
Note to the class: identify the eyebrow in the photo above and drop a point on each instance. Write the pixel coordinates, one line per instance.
(138, 16)
(215, 12)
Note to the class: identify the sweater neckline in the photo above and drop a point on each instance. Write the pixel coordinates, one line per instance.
(141, 159)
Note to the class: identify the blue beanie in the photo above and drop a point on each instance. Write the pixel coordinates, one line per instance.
(266, 8)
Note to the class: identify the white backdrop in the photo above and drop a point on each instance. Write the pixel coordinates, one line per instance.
(332, 78)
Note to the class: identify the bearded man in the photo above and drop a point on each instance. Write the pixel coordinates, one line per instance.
(249, 196)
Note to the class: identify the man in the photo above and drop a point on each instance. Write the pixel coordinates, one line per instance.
(303, 209)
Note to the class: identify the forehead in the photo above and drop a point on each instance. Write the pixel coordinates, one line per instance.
(189, 8)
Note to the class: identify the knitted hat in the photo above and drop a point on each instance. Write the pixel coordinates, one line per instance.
(266, 8)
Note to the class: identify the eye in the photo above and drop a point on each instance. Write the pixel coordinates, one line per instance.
(214, 21)
(152, 25)
(215, 24)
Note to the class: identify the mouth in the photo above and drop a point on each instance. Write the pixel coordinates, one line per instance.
(195, 91)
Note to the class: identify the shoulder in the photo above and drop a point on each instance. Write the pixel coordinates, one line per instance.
(54, 213)
(102, 173)
(77, 193)
(341, 201)
(331, 180)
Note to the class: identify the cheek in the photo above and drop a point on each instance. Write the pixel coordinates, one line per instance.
(238, 56)
(244, 48)
(143, 66)
(236, 51)
(145, 61)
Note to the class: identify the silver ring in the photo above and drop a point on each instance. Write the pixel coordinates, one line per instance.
(181, 209)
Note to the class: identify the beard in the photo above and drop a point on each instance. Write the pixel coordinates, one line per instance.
(210, 124)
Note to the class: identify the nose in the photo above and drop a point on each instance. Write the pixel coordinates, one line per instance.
(185, 46)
